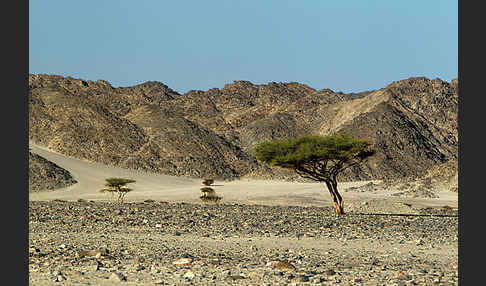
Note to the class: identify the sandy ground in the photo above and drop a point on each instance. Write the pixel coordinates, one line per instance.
(402, 245)
(91, 177)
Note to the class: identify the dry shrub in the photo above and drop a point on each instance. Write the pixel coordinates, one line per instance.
(208, 182)
(207, 191)
(210, 199)
(209, 195)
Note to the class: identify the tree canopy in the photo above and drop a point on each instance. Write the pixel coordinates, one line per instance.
(320, 158)
(118, 182)
(117, 185)
(303, 150)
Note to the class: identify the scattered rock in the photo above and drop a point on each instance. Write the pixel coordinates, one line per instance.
(183, 261)
(227, 252)
(90, 253)
(189, 274)
(281, 265)
(234, 277)
(330, 272)
(60, 278)
(117, 276)
(33, 250)
(300, 278)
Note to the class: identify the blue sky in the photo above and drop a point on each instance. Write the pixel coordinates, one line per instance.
(347, 46)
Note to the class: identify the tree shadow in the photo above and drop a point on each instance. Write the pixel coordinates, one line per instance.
(402, 214)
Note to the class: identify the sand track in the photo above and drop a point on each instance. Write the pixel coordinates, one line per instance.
(91, 176)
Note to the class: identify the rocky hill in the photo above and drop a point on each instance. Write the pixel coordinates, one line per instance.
(45, 175)
(412, 122)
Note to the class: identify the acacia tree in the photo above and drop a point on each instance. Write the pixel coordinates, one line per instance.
(208, 182)
(320, 158)
(117, 186)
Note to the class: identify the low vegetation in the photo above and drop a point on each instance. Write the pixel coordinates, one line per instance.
(117, 186)
(208, 182)
(208, 193)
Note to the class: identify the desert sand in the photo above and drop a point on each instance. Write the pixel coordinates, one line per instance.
(91, 177)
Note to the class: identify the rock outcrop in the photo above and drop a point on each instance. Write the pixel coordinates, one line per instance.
(45, 175)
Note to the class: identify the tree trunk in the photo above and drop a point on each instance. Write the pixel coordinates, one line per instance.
(337, 200)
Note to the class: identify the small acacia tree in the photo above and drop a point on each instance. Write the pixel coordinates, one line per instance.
(208, 182)
(320, 158)
(118, 186)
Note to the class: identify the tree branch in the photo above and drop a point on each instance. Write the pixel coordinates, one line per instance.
(307, 173)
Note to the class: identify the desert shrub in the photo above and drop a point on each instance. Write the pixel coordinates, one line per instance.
(208, 182)
(209, 195)
(207, 191)
(210, 199)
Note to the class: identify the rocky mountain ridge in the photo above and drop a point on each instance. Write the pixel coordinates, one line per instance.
(151, 127)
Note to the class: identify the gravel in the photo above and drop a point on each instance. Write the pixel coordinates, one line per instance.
(159, 243)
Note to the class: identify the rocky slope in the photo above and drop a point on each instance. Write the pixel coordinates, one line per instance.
(443, 177)
(45, 175)
(412, 122)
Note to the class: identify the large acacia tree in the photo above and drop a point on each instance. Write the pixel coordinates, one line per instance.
(320, 158)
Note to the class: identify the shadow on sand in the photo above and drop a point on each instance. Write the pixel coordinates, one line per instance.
(407, 215)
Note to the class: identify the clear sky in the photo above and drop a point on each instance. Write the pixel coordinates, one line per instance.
(346, 45)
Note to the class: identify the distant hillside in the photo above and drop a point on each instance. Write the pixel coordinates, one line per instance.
(45, 175)
(412, 122)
